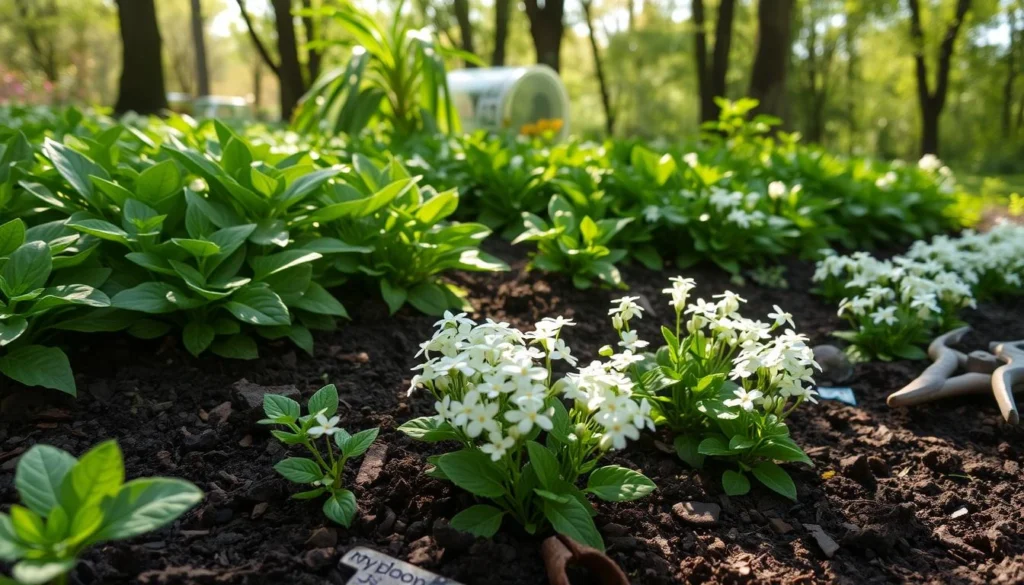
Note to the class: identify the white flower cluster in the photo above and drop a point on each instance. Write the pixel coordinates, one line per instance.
(493, 383)
(996, 255)
(880, 288)
(740, 209)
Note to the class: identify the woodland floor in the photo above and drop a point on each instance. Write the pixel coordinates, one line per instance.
(899, 474)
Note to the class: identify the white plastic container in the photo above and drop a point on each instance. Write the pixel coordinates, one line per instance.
(511, 98)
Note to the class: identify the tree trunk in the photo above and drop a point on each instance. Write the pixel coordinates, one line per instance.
(932, 102)
(768, 79)
(711, 80)
(501, 14)
(141, 87)
(546, 28)
(700, 54)
(1011, 75)
(314, 57)
(289, 69)
(199, 39)
(257, 87)
(849, 36)
(606, 99)
(461, 8)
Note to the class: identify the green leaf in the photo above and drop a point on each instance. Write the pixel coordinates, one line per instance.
(910, 352)
(150, 297)
(27, 269)
(98, 474)
(783, 449)
(479, 520)
(309, 494)
(613, 483)
(735, 483)
(429, 298)
(236, 347)
(325, 399)
(304, 185)
(688, 449)
(158, 182)
(258, 305)
(37, 365)
(429, 430)
(99, 228)
(39, 475)
(474, 472)
(280, 408)
(197, 248)
(144, 505)
(264, 266)
(775, 478)
(299, 470)
(572, 519)
(438, 207)
(358, 443)
(270, 232)
(197, 337)
(12, 235)
(394, 296)
(148, 329)
(11, 329)
(714, 446)
(341, 507)
(317, 300)
(545, 465)
(75, 167)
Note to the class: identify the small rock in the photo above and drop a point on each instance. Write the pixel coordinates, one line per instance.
(780, 526)
(697, 513)
(878, 466)
(204, 441)
(220, 414)
(386, 524)
(835, 365)
(246, 441)
(857, 468)
(941, 461)
(623, 543)
(423, 551)
(322, 538)
(267, 490)
(416, 530)
(318, 558)
(251, 396)
(373, 463)
(825, 542)
(451, 539)
(259, 510)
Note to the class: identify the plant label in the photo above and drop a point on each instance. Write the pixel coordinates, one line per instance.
(375, 568)
(842, 394)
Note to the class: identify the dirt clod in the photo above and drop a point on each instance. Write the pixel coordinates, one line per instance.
(697, 513)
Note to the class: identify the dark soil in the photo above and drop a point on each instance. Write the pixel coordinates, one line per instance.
(885, 486)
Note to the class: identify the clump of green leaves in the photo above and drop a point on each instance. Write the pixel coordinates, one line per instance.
(72, 504)
(325, 471)
(725, 384)
(41, 286)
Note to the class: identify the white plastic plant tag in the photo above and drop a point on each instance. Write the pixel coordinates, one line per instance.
(842, 394)
(376, 568)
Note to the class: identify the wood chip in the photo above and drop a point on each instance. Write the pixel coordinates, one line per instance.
(373, 463)
(827, 544)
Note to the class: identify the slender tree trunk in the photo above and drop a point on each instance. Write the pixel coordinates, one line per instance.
(461, 9)
(199, 40)
(1011, 75)
(141, 87)
(257, 87)
(314, 56)
(711, 80)
(290, 70)
(700, 54)
(932, 102)
(606, 99)
(850, 39)
(768, 79)
(501, 15)
(546, 28)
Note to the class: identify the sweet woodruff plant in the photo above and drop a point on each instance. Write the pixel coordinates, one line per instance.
(496, 394)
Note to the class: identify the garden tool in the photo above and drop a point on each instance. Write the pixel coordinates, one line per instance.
(560, 551)
(986, 372)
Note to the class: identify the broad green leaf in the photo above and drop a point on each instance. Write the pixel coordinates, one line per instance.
(236, 347)
(613, 483)
(158, 182)
(270, 232)
(735, 483)
(304, 185)
(479, 520)
(545, 465)
(258, 305)
(438, 207)
(474, 472)
(11, 329)
(75, 167)
(783, 449)
(394, 296)
(67, 294)
(325, 399)
(39, 475)
(429, 429)
(572, 519)
(341, 507)
(358, 443)
(299, 470)
(317, 300)
(775, 478)
(26, 269)
(150, 297)
(264, 266)
(429, 298)
(99, 473)
(197, 248)
(197, 337)
(687, 448)
(12, 235)
(144, 505)
(278, 407)
(37, 365)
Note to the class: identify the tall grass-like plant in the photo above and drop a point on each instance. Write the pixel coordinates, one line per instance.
(396, 75)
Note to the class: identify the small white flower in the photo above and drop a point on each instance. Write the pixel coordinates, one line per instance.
(529, 414)
(326, 426)
(631, 341)
(885, 315)
(744, 399)
(781, 316)
(776, 189)
(498, 446)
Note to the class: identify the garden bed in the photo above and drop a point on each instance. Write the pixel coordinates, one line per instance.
(900, 475)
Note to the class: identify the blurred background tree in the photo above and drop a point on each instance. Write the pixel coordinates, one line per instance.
(891, 78)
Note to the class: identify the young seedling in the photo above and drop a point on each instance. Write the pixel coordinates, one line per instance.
(326, 469)
(71, 504)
